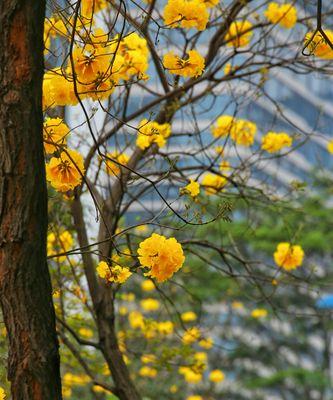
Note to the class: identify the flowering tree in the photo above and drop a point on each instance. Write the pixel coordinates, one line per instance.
(135, 169)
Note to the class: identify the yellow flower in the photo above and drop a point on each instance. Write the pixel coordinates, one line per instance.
(272, 142)
(214, 183)
(288, 256)
(148, 372)
(135, 319)
(223, 126)
(78, 380)
(65, 172)
(330, 146)
(165, 327)
(111, 167)
(237, 305)
(243, 132)
(206, 343)
(216, 376)
(191, 335)
(86, 333)
(57, 90)
(193, 188)
(190, 375)
(66, 391)
(186, 13)
(259, 313)
(59, 243)
(150, 304)
(188, 316)
(319, 45)
(194, 397)
(90, 7)
(150, 132)
(54, 134)
(2, 394)
(128, 296)
(147, 285)
(224, 166)
(173, 389)
(192, 66)
(148, 358)
(114, 273)
(282, 14)
(239, 34)
(162, 256)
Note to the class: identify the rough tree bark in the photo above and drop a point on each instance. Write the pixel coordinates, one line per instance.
(25, 287)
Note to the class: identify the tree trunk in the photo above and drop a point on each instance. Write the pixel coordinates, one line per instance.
(25, 287)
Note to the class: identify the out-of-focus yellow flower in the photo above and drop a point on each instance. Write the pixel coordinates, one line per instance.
(223, 126)
(192, 66)
(86, 333)
(193, 188)
(148, 372)
(213, 183)
(194, 397)
(173, 389)
(2, 394)
(189, 316)
(148, 358)
(274, 142)
(186, 14)
(191, 335)
(237, 304)
(319, 45)
(136, 320)
(114, 273)
(243, 132)
(190, 375)
(288, 256)
(59, 243)
(259, 313)
(283, 14)
(112, 168)
(55, 132)
(206, 343)
(162, 256)
(150, 304)
(165, 327)
(147, 285)
(239, 34)
(330, 146)
(216, 376)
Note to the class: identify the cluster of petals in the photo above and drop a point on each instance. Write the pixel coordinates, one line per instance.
(273, 142)
(239, 34)
(55, 132)
(283, 14)
(65, 172)
(115, 273)
(318, 45)
(192, 66)
(112, 167)
(288, 256)
(241, 131)
(150, 132)
(163, 257)
(186, 14)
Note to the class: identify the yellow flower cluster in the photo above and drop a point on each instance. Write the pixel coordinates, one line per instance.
(162, 256)
(193, 189)
(148, 372)
(192, 66)
(150, 304)
(65, 172)
(191, 335)
(55, 132)
(188, 316)
(116, 273)
(113, 168)
(150, 132)
(59, 244)
(98, 67)
(283, 14)
(190, 375)
(239, 34)
(216, 376)
(319, 45)
(273, 142)
(240, 130)
(330, 146)
(213, 183)
(2, 394)
(259, 313)
(186, 14)
(147, 285)
(288, 256)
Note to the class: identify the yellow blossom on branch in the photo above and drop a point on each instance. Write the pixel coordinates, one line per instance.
(54, 134)
(150, 132)
(239, 34)
(114, 273)
(162, 256)
(150, 304)
(288, 256)
(186, 14)
(216, 376)
(319, 45)
(65, 172)
(59, 243)
(213, 183)
(193, 188)
(272, 142)
(192, 66)
(283, 14)
(243, 132)
(259, 313)
(188, 316)
(113, 168)
(223, 126)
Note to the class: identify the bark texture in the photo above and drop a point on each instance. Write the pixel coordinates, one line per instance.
(25, 287)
